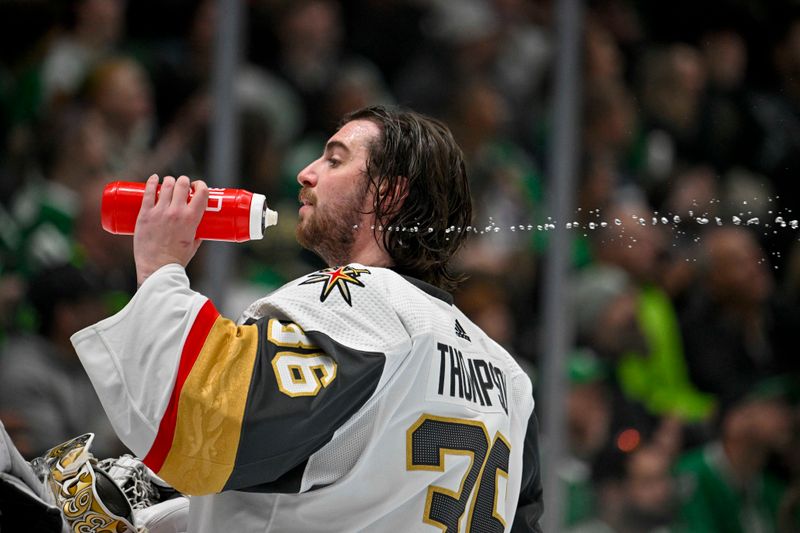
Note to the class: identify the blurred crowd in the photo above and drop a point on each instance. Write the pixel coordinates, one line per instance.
(682, 410)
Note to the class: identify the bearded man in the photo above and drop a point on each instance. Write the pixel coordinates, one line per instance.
(356, 398)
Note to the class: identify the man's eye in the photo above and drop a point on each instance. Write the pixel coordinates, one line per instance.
(334, 162)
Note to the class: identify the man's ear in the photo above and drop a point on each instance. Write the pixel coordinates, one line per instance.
(392, 196)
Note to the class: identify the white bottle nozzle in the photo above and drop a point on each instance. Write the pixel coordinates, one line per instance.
(270, 217)
(260, 216)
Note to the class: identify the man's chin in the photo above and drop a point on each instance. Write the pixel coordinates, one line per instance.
(306, 235)
(301, 234)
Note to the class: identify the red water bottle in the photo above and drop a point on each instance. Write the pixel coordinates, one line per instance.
(232, 214)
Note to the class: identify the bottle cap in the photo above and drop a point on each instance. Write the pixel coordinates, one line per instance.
(257, 206)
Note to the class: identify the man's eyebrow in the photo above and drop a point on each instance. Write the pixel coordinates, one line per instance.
(331, 145)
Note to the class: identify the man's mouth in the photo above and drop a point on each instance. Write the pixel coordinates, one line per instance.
(305, 199)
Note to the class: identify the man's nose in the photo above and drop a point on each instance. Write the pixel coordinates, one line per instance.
(307, 177)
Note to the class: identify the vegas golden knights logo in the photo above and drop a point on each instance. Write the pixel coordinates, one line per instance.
(340, 278)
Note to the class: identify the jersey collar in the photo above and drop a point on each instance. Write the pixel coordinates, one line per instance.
(427, 288)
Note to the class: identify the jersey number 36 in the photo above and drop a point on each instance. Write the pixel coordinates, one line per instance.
(427, 443)
(298, 373)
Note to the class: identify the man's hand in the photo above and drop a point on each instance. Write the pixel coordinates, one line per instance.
(166, 226)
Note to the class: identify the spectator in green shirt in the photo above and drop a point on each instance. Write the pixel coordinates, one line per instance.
(725, 485)
(651, 371)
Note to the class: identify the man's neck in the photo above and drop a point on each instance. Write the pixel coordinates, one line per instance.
(367, 250)
(371, 258)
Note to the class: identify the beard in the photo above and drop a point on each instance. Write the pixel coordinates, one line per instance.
(329, 231)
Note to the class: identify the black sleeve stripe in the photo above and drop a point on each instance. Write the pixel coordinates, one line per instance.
(280, 432)
(530, 505)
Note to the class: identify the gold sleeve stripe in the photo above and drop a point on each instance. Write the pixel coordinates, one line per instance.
(198, 333)
(211, 409)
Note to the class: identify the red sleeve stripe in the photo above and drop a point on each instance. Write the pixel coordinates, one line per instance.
(191, 349)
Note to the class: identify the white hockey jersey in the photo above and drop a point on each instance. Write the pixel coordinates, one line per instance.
(352, 399)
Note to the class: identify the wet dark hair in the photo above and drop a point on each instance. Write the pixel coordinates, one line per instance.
(423, 205)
